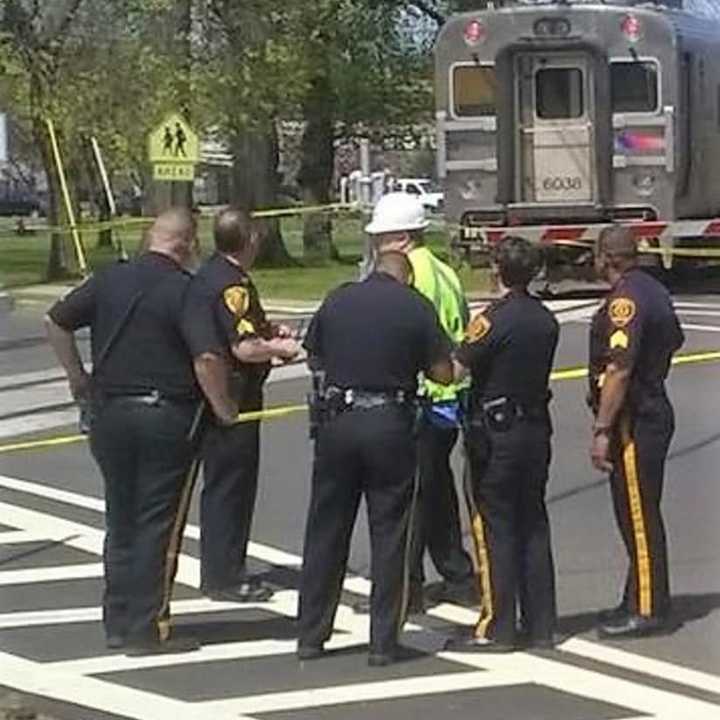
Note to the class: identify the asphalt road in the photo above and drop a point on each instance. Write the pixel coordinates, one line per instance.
(50, 578)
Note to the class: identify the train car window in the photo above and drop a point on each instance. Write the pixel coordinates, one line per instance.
(559, 93)
(634, 87)
(474, 90)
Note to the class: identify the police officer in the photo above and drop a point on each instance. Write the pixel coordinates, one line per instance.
(370, 339)
(236, 344)
(145, 404)
(509, 351)
(633, 337)
(398, 223)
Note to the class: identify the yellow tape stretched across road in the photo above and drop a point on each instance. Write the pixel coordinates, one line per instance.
(129, 221)
(274, 413)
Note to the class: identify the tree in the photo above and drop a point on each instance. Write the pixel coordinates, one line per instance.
(253, 76)
(367, 73)
(36, 40)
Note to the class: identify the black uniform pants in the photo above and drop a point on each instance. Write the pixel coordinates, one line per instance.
(639, 452)
(230, 478)
(511, 532)
(361, 452)
(149, 468)
(436, 524)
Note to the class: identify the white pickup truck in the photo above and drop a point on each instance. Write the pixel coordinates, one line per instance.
(423, 188)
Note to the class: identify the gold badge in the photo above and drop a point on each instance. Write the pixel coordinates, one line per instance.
(237, 300)
(477, 329)
(622, 311)
(619, 339)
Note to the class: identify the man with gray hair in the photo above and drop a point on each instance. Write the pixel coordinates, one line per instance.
(235, 347)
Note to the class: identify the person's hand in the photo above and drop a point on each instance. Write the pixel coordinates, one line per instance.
(600, 452)
(80, 386)
(226, 416)
(283, 331)
(286, 349)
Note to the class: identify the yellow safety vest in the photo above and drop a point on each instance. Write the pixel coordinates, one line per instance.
(439, 283)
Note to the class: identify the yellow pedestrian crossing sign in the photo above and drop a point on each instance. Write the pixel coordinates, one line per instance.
(174, 141)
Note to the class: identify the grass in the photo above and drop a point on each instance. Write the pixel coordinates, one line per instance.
(23, 258)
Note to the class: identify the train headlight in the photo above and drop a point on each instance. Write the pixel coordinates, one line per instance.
(644, 183)
(475, 33)
(552, 27)
(631, 28)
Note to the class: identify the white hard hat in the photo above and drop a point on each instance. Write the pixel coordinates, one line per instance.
(395, 212)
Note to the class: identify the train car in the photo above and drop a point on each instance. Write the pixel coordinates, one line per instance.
(559, 117)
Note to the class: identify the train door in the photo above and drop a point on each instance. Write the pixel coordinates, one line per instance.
(555, 117)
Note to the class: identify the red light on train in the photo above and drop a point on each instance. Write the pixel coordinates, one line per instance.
(631, 28)
(475, 33)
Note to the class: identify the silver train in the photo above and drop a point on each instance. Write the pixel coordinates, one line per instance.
(563, 116)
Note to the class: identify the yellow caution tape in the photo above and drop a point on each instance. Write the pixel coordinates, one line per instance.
(269, 414)
(125, 222)
(576, 373)
(38, 444)
(700, 252)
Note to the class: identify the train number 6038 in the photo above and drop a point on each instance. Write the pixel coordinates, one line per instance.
(562, 183)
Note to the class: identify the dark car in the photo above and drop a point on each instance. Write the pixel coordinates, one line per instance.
(19, 203)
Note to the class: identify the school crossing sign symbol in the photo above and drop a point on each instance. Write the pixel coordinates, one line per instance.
(174, 150)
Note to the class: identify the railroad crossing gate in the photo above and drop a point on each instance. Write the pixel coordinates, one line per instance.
(174, 150)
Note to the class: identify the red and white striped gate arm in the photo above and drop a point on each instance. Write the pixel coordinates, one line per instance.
(659, 233)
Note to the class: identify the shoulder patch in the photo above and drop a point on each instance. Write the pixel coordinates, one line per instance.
(477, 328)
(621, 311)
(237, 299)
(619, 339)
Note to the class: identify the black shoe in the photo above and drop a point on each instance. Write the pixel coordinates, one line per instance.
(310, 652)
(397, 654)
(631, 625)
(250, 591)
(171, 646)
(611, 615)
(543, 643)
(114, 642)
(478, 645)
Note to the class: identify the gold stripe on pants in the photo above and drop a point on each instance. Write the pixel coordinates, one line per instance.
(637, 517)
(173, 549)
(482, 558)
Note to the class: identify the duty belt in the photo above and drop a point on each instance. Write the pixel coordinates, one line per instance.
(500, 414)
(344, 399)
(148, 397)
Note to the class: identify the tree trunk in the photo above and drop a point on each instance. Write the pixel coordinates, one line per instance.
(255, 187)
(316, 171)
(57, 265)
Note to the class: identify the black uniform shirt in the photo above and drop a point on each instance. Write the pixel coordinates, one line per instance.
(150, 352)
(376, 335)
(635, 328)
(509, 350)
(224, 307)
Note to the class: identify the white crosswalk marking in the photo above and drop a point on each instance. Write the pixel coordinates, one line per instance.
(76, 680)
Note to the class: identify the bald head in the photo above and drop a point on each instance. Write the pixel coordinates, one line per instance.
(618, 242)
(173, 233)
(395, 264)
(233, 231)
(616, 252)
